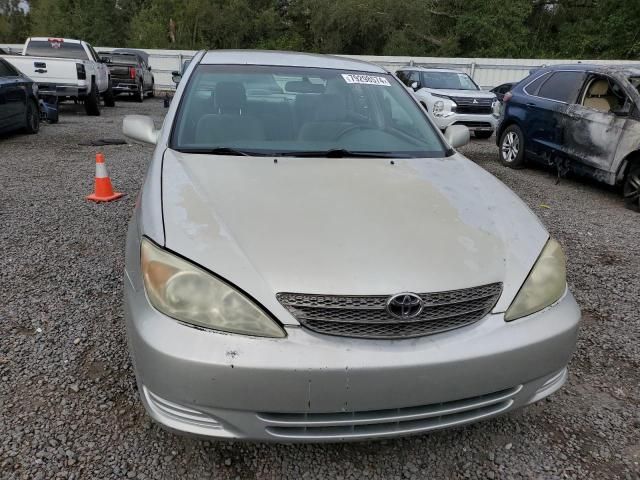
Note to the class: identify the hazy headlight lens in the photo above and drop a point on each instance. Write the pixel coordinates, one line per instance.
(545, 284)
(496, 107)
(185, 292)
(438, 107)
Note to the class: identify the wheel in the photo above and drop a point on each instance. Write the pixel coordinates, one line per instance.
(109, 97)
(53, 115)
(92, 102)
(139, 95)
(152, 92)
(512, 147)
(32, 117)
(482, 135)
(631, 189)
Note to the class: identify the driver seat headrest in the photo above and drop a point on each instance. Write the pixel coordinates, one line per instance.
(230, 98)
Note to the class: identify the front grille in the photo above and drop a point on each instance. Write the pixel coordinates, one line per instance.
(473, 124)
(390, 422)
(367, 316)
(474, 110)
(476, 106)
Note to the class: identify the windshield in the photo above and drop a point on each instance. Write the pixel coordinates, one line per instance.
(448, 81)
(122, 58)
(56, 48)
(274, 110)
(635, 81)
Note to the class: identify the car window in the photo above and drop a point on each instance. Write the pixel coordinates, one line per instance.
(6, 70)
(402, 76)
(448, 81)
(96, 57)
(635, 81)
(123, 58)
(414, 76)
(277, 110)
(562, 86)
(56, 47)
(532, 87)
(603, 94)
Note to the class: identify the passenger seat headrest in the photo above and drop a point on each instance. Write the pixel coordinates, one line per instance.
(230, 97)
(599, 87)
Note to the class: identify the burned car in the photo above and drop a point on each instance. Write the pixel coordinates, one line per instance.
(579, 118)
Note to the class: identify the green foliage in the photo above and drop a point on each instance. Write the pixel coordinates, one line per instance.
(464, 28)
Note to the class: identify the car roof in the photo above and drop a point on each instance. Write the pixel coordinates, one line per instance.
(432, 69)
(289, 59)
(133, 51)
(633, 69)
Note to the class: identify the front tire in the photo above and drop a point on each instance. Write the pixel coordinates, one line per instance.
(631, 189)
(152, 93)
(109, 97)
(32, 118)
(512, 147)
(140, 93)
(92, 102)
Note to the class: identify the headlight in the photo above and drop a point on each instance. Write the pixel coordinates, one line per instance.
(185, 292)
(496, 107)
(545, 284)
(438, 108)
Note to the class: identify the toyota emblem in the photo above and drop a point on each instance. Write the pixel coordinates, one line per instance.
(404, 305)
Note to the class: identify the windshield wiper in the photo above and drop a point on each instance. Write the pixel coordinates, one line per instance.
(218, 151)
(342, 153)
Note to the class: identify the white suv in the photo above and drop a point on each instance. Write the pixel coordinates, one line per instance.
(452, 97)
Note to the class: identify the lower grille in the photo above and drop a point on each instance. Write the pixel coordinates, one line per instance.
(380, 423)
(474, 124)
(474, 110)
(367, 316)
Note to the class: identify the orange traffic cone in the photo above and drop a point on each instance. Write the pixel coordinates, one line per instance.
(103, 190)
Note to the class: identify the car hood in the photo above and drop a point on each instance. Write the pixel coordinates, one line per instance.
(462, 93)
(347, 226)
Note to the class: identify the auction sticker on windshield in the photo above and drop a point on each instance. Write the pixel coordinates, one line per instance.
(365, 79)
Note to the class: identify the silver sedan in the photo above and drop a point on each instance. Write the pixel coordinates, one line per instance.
(310, 260)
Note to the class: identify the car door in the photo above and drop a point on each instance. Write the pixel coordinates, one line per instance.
(147, 73)
(596, 122)
(102, 70)
(13, 101)
(547, 100)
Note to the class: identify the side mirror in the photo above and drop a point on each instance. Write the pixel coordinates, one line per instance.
(415, 86)
(457, 135)
(176, 77)
(140, 128)
(623, 111)
(149, 68)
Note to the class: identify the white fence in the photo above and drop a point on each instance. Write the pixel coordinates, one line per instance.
(487, 72)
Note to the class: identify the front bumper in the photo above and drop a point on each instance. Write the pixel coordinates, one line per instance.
(314, 388)
(475, 123)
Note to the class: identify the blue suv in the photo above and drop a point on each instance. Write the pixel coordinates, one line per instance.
(579, 118)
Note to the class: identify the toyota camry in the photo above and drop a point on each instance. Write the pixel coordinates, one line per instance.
(311, 260)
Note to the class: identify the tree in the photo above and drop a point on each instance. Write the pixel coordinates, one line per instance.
(14, 22)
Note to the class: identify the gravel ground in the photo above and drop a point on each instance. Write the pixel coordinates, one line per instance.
(68, 401)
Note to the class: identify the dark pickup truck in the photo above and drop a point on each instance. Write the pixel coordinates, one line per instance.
(129, 74)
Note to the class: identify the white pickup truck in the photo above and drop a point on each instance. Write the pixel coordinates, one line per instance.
(66, 69)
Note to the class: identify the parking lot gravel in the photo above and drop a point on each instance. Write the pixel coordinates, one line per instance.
(69, 407)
